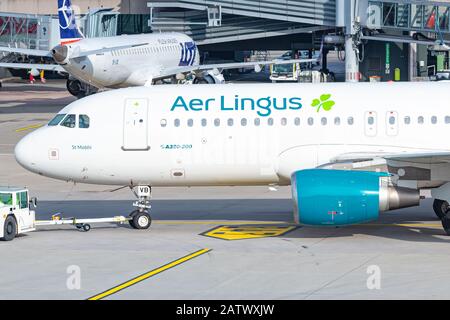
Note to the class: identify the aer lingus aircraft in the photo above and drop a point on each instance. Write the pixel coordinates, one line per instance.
(128, 60)
(349, 151)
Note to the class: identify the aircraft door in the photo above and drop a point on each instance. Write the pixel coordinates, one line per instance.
(135, 125)
(392, 123)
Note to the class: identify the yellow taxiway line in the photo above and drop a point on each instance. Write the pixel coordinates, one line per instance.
(36, 126)
(149, 274)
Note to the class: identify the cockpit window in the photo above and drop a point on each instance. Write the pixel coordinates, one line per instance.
(69, 121)
(84, 121)
(56, 120)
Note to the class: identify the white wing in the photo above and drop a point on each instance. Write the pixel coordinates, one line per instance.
(223, 66)
(440, 157)
(28, 66)
(30, 52)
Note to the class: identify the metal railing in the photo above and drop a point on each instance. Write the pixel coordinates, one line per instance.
(423, 16)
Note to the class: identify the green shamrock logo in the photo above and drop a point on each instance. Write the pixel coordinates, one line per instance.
(323, 103)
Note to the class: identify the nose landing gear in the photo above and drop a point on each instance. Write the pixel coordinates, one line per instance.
(140, 218)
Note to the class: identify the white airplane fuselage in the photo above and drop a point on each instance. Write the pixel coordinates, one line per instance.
(151, 56)
(236, 134)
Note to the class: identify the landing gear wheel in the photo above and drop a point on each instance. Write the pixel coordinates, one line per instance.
(440, 207)
(446, 223)
(10, 229)
(86, 227)
(141, 220)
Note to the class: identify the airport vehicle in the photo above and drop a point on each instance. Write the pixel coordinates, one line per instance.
(128, 60)
(285, 72)
(297, 71)
(349, 151)
(17, 217)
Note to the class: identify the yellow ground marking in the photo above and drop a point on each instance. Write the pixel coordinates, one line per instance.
(240, 232)
(407, 225)
(149, 274)
(36, 126)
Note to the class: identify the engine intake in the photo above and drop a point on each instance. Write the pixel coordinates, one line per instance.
(338, 197)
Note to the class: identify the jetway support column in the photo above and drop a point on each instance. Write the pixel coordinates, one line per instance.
(351, 62)
(346, 16)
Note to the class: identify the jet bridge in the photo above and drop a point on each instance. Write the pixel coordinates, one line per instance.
(217, 22)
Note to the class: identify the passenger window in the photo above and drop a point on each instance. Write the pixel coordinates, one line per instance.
(176, 123)
(257, 122)
(270, 121)
(391, 120)
(324, 121)
(297, 121)
(243, 122)
(5, 199)
(204, 122)
(217, 122)
(190, 123)
(337, 121)
(433, 119)
(230, 122)
(83, 121)
(447, 119)
(283, 121)
(56, 120)
(420, 120)
(350, 121)
(163, 123)
(310, 121)
(407, 120)
(69, 121)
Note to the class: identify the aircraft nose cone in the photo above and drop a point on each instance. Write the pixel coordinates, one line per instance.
(24, 153)
(60, 53)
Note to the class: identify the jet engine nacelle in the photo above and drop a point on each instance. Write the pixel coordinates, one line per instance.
(79, 89)
(210, 77)
(337, 197)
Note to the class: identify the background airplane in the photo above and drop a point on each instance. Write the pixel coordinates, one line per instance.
(349, 151)
(128, 60)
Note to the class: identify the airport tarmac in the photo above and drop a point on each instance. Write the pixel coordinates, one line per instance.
(205, 243)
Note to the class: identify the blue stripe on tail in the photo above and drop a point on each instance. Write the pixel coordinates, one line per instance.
(67, 23)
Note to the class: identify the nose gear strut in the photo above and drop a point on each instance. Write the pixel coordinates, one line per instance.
(141, 218)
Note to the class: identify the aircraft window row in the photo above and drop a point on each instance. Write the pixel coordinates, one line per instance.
(70, 121)
(243, 122)
(421, 120)
(144, 51)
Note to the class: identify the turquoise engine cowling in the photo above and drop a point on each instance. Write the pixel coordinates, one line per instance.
(337, 197)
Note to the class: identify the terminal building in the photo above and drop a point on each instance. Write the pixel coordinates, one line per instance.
(389, 40)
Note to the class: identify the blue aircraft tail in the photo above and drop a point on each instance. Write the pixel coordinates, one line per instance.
(68, 28)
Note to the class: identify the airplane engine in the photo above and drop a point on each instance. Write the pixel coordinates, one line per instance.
(79, 89)
(74, 87)
(210, 77)
(337, 197)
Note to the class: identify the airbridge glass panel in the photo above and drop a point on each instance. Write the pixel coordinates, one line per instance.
(56, 120)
